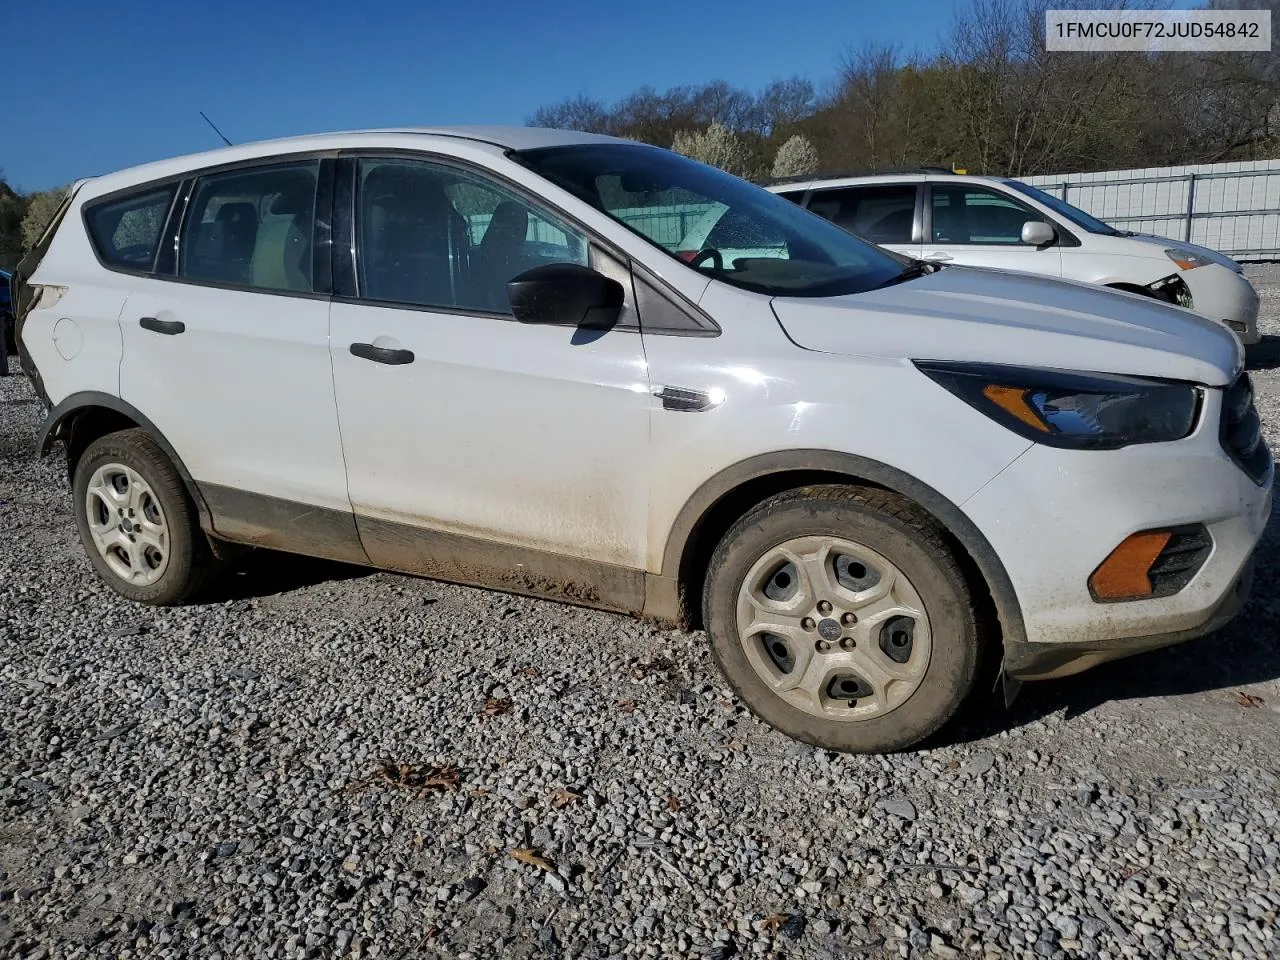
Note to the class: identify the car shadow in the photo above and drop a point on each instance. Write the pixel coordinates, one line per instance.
(1265, 354)
(1246, 651)
(263, 573)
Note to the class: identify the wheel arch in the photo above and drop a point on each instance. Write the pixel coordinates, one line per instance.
(81, 418)
(722, 500)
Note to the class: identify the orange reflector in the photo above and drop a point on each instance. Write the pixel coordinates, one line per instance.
(1123, 575)
(1013, 401)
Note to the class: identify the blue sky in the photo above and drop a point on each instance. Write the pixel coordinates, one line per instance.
(96, 86)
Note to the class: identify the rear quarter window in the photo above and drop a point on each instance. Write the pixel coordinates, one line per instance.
(126, 230)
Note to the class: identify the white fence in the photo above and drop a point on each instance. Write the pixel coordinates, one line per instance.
(1231, 207)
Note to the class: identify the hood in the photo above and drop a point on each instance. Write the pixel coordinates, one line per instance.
(994, 316)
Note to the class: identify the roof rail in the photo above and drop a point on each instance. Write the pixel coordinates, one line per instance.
(835, 175)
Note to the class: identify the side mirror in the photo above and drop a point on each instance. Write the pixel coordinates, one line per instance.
(1037, 233)
(566, 294)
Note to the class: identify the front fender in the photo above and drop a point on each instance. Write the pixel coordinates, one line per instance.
(684, 531)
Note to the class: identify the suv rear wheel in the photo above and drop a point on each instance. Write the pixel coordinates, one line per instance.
(841, 617)
(136, 521)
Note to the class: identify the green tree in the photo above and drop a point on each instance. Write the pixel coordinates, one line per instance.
(12, 210)
(40, 210)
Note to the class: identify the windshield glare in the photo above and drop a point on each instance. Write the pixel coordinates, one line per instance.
(718, 224)
(1074, 214)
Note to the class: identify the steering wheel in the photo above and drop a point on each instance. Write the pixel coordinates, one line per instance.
(709, 253)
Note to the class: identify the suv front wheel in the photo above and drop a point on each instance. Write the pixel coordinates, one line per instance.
(840, 616)
(136, 521)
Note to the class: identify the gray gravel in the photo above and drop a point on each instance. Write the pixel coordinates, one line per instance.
(335, 763)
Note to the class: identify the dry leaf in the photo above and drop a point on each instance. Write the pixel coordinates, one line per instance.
(771, 924)
(563, 797)
(411, 776)
(626, 706)
(1248, 699)
(532, 858)
(673, 803)
(495, 707)
(656, 665)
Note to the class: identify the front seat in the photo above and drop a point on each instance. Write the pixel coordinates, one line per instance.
(499, 256)
(414, 245)
(893, 227)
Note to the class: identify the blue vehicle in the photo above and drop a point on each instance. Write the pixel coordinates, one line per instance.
(8, 344)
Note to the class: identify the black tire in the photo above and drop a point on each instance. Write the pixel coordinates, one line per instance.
(903, 534)
(190, 564)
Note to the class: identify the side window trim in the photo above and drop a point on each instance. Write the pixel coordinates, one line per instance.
(166, 262)
(344, 229)
(322, 229)
(675, 316)
(917, 221)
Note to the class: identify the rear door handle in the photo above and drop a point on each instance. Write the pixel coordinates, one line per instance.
(391, 355)
(169, 327)
(938, 257)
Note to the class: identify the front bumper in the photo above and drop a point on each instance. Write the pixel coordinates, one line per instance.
(1046, 661)
(1054, 515)
(1227, 297)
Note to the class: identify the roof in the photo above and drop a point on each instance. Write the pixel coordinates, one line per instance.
(800, 184)
(503, 137)
(510, 137)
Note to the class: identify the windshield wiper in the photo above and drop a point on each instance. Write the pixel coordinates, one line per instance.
(918, 268)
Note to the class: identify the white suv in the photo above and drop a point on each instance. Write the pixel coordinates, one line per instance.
(1010, 225)
(482, 355)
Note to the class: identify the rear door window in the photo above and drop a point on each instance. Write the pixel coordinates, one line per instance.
(126, 230)
(881, 214)
(252, 228)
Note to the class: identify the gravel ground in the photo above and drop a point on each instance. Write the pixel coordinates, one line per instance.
(328, 762)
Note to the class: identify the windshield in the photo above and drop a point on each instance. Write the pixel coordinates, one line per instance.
(1074, 214)
(720, 225)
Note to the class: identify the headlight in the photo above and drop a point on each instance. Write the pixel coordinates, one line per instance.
(1186, 259)
(1085, 411)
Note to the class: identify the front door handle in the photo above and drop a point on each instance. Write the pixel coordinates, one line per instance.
(938, 257)
(391, 355)
(168, 327)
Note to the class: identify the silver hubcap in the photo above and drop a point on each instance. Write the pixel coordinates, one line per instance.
(127, 525)
(834, 628)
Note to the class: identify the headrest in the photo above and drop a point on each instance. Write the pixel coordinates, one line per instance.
(237, 213)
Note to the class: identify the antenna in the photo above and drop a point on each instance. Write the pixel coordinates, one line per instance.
(215, 129)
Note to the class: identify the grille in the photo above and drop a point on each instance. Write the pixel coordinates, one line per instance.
(1180, 560)
(1242, 430)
